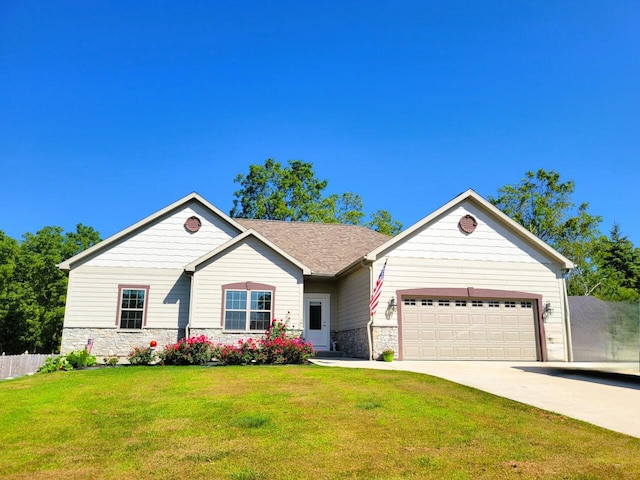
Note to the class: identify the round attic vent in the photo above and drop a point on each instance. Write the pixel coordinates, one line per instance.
(192, 224)
(467, 224)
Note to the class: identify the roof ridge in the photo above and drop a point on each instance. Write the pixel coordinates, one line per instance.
(306, 222)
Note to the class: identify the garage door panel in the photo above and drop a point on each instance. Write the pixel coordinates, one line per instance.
(496, 336)
(411, 335)
(427, 319)
(410, 319)
(511, 320)
(427, 335)
(463, 352)
(482, 329)
(462, 336)
(445, 335)
(479, 335)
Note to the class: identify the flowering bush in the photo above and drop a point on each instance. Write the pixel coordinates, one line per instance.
(278, 347)
(188, 351)
(142, 356)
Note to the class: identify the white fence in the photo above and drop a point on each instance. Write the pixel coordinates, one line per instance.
(17, 365)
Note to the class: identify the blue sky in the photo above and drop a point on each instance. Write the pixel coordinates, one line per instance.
(110, 111)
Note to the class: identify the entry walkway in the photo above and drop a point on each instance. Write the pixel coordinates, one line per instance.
(608, 400)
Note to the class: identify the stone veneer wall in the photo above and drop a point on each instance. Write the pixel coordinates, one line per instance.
(217, 335)
(384, 337)
(352, 342)
(111, 341)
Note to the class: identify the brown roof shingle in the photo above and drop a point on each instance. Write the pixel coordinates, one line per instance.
(326, 248)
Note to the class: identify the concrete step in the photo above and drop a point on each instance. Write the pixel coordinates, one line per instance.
(329, 354)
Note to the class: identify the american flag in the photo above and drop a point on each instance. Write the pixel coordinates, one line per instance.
(89, 345)
(377, 290)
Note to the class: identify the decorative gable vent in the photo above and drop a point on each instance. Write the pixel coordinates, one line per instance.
(467, 224)
(192, 224)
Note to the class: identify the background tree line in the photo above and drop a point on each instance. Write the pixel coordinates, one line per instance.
(33, 289)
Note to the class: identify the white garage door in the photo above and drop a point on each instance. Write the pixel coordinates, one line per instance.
(468, 329)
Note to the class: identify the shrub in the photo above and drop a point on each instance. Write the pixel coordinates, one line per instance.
(68, 361)
(188, 351)
(55, 364)
(111, 360)
(81, 359)
(278, 347)
(142, 356)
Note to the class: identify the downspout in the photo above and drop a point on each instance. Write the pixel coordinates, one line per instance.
(567, 316)
(370, 322)
(191, 302)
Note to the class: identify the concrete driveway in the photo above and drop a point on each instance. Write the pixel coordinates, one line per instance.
(609, 400)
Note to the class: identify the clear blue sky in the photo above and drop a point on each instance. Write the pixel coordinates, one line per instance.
(110, 111)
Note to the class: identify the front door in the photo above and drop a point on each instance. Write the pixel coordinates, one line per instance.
(316, 320)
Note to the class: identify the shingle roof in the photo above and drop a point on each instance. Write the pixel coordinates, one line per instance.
(326, 248)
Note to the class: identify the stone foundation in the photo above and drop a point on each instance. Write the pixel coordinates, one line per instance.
(111, 341)
(119, 343)
(217, 335)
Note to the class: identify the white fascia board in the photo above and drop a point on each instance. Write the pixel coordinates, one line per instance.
(190, 268)
(66, 265)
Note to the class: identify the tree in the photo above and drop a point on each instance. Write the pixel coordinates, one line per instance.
(382, 222)
(543, 205)
(271, 192)
(34, 299)
(9, 249)
(293, 193)
(618, 268)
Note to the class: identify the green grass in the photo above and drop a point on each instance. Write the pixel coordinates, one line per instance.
(289, 422)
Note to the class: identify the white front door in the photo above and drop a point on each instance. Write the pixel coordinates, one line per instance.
(316, 320)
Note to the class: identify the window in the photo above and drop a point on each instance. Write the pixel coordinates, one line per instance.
(461, 303)
(510, 304)
(426, 302)
(476, 303)
(132, 307)
(443, 303)
(248, 309)
(525, 305)
(409, 301)
(493, 303)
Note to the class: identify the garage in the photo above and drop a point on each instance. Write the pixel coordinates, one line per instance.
(435, 328)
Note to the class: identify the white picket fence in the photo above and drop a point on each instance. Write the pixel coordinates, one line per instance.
(18, 365)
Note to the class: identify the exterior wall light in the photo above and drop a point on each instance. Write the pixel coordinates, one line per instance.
(392, 305)
(547, 311)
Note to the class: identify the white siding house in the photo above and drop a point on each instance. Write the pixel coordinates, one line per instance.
(466, 282)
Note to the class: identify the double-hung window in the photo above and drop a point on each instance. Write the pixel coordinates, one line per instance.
(247, 309)
(132, 307)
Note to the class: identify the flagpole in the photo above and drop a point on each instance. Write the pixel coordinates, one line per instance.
(373, 303)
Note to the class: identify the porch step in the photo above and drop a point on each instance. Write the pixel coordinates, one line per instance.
(329, 354)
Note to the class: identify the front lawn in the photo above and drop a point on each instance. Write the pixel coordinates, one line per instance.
(288, 422)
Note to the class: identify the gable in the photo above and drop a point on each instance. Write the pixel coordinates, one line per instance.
(496, 237)
(248, 259)
(161, 241)
(243, 238)
(490, 241)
